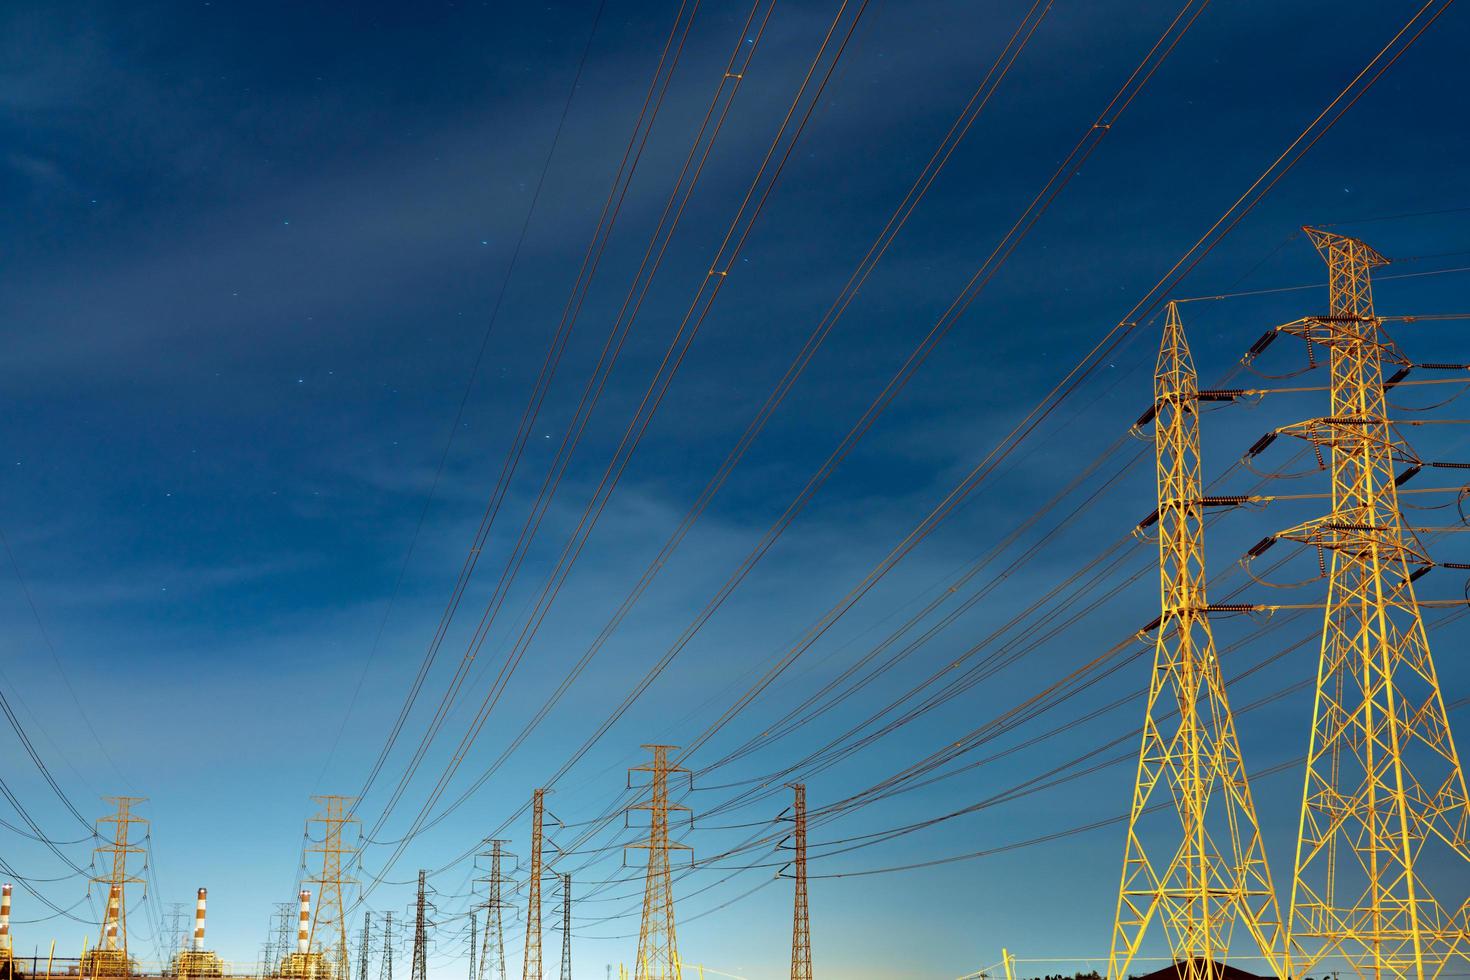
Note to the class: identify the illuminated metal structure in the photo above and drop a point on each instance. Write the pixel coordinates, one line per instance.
(658, 947)
(110, 957)
(1198, 866)
(801, 927)
(1384, 797)
(531, 967)
(329, 929)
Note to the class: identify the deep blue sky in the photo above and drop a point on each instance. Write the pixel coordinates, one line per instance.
(250, 252)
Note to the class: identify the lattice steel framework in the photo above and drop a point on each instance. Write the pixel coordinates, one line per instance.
(385, 969)
(120, 845)
(419, 969)
(176, 926)
(801, 927)
(1197, 863)
(331, 912)
(531, 969)
(493, 957)
(658, 946)
(566, 926)
(1384, 796)
(282, 934)
(473, 942)
(362, 949)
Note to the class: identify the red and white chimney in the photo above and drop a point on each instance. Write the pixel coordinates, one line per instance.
(114, 902)
(199, 923)
(5, 919)
(303, 929)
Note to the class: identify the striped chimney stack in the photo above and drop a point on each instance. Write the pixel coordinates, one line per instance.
(303, 930)
(199, 923)
(114, 902)
(5, 920)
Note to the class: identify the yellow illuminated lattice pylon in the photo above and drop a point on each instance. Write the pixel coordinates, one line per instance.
(329, 926)
(1197, 864)
(658, 946)
(801, 928)
(1384, 799)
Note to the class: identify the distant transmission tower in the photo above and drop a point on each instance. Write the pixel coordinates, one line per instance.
(801, 927)
(566, 926)
(492, 957)
(658, 947)
(331, 913)
(175, 926)
(474, 939)
(284, 931)
(362, 949)
(420, 970)
(1199, 866)
(532, 966)
(385, 969)
(1384, 798)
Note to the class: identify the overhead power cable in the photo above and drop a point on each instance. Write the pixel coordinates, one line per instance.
(978, 100)
(1083, 149)
(515, 257)
(838, 37)
(653, 101)
(654, 252)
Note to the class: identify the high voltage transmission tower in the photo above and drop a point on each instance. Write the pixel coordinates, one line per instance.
(329, 928)
(658, 947)
(1199, 866)
(474, 938)
(285, 925)
(531, 968)
(175, 921)
(420, 968)
(385, 969)
(1384, 800)
(362, 947)
(493, 958)
(110, 958)
(566, 926)
(801, 927)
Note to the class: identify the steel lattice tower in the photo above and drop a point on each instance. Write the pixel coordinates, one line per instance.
(494, 906)
(1199, 867)
(331, 913)
(385, 969)
(566, 926)
(119, 847)
(531, 969)
(1384, 794)
(283, 932)
(176, 926)
(658, 947)
(801, 927)
(420, 969)
(474, 939)
(362, 966)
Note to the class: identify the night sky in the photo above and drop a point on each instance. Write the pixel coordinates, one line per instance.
(273, 309)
